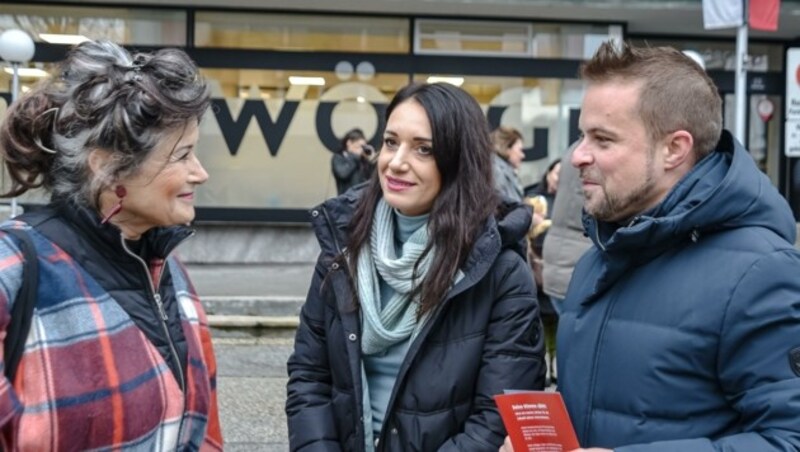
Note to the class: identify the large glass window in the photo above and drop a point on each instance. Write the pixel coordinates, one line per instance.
(722, 54)
(29, 75)
(510, 39)
(295, 32)
(544, 110)
(68, 24)
(269, 139)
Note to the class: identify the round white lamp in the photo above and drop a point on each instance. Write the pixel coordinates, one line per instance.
(16, 47)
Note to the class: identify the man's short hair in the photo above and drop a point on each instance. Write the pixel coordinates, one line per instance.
(676, 93)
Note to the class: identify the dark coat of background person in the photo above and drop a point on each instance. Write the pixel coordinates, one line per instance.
(349, 170)
(439, 386)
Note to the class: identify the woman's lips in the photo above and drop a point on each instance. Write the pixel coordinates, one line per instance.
(397, 184)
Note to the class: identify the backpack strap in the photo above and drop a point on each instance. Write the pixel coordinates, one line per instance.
(22, 311)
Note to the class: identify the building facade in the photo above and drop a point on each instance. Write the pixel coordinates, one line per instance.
(289, 80)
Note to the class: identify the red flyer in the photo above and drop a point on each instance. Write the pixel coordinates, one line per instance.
(537, 421)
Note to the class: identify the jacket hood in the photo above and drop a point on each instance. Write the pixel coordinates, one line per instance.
(723, 191)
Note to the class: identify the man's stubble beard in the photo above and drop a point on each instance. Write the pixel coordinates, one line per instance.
(614, 208)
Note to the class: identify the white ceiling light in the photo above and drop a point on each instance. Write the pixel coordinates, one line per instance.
(62, 38)
(457, 81)
(313, 81)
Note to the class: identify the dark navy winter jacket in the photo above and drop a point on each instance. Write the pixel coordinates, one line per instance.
(681, 330)
(484, 338)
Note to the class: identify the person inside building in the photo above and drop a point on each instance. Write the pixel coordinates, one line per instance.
(508, 156)
(354, 163)
(118, 353)
(681, 325)
(422, 306)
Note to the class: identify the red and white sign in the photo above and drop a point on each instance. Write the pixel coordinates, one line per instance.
(793, 84)
(791, 141)
(765, 109)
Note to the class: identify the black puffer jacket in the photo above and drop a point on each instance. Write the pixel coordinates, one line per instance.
(98, 248)
(484, 338)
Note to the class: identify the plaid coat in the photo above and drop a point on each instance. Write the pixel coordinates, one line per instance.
(89, 378)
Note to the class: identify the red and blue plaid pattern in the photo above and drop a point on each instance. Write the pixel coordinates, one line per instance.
(89, 378)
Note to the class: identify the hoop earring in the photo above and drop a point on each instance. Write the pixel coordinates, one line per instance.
(121, 192)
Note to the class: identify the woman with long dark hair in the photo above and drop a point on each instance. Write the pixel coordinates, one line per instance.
(422, 307)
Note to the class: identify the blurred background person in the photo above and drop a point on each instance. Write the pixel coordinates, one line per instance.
(354, 163)
(508, 156)
(542, 197)
(118, 353)
(422, 307)
(565, 241)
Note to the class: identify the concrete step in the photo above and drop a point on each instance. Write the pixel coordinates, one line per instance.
(251, 296)
(251, 280)
(245, 305)
(234, 312)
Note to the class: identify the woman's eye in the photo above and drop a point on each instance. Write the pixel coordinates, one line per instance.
(180, 156)
(425, 150)
(389, 142)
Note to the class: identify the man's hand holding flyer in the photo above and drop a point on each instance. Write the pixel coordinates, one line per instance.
(537, 421)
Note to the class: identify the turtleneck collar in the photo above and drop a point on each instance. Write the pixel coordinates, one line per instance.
(406, 225)
(155, 243)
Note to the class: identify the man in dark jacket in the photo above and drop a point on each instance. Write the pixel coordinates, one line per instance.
(681, 326)
(352, 165)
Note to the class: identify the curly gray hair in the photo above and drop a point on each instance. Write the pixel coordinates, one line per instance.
(104, 98)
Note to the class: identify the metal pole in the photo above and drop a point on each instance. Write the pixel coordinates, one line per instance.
(741, 77)
(14, 95)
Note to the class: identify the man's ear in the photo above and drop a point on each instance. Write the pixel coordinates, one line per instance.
(98, 159)
(679, 146)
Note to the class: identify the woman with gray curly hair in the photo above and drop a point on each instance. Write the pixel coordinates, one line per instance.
(118, 354)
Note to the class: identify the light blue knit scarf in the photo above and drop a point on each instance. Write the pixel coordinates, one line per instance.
(395, 321)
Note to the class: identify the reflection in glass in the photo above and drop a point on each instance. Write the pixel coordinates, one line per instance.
(161, 27)
(298, 32)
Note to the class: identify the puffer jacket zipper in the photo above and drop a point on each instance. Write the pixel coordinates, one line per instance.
(162, 315)
(357, 380)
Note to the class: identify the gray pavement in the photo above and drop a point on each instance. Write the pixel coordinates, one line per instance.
(251, 391)
(251, 362)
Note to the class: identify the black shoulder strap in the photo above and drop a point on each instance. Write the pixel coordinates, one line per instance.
(22, 311)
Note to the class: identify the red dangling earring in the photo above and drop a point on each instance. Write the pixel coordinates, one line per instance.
(121, 193)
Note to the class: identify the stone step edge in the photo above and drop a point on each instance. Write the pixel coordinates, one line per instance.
(252, 321)
(257, 298)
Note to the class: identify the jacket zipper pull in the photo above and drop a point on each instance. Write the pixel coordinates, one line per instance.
(160, 305)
